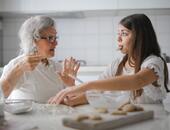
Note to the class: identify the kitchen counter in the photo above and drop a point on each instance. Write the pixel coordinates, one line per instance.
(41, 120)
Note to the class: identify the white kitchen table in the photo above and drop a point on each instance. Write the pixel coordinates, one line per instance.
(38, 120)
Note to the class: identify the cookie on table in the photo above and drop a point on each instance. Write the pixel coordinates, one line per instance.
(82, 117)
(118, 112)
(95, 117)
(102, 110)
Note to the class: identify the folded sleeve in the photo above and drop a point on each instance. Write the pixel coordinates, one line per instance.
(156, 93)
(156, 64)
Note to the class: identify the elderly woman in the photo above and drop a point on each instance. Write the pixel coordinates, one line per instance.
(33, 75)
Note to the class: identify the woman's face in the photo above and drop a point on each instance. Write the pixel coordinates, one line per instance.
(124, 39)
(47, 42)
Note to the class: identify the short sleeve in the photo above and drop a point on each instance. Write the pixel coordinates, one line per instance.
(156, 64)
(155, 94)
(7, 68)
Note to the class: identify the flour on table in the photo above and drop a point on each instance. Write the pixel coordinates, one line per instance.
(54, 109)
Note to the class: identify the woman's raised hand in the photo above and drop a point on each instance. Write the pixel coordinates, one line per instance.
(71, 67)
(29, 62)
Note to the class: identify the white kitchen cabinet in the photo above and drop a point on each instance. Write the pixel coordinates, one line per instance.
(53, 6)
(48, 6)
(143, 4)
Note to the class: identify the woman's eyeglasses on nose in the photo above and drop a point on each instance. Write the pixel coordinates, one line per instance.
(50, 39)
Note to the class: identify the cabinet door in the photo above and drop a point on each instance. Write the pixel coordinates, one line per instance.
(143, 4)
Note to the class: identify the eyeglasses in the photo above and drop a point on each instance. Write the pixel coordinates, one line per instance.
(50, 39)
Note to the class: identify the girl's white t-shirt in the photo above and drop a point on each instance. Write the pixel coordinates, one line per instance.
(151, 93)
(39, 85)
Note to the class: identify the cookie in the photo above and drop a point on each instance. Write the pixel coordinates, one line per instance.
(132, 108)
(129, 108)
(121, 106)
(82, 117)
(139, 108)
(102, 110)
(95, 117)
(118, 112)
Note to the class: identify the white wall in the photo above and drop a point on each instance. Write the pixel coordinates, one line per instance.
(92, 38)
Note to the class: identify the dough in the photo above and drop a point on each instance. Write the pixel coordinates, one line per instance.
(139, 108)
(95, 117)
(129, 108)
(82, 117)
(118, 112)
(121, 106)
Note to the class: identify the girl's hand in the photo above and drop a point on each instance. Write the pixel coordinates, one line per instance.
(71, 67)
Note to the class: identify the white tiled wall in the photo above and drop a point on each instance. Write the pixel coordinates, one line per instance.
(92, 39)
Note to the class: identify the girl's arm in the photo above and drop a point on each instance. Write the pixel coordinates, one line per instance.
(126, 82)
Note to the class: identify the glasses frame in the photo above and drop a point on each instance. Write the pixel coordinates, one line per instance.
(50, 39)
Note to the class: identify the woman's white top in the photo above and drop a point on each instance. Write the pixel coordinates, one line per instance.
(151, 94)
(39, 85)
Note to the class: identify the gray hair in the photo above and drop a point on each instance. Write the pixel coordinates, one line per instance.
(30, 31)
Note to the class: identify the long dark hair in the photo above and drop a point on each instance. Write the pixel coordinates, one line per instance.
(144, 44)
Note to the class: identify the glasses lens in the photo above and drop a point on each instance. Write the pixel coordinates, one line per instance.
(50, 38)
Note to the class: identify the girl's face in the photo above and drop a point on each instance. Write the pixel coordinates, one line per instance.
(124, 39)
(47, 42)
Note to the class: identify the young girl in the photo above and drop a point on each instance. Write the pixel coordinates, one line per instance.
(142, 70)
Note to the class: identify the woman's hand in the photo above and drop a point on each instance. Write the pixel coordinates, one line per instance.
(29, 62)
(65, 93)
(75, 100)
(78, 99)
(71, 67)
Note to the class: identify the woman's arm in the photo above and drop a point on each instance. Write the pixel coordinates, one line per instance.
(8, 82)
(11, 76)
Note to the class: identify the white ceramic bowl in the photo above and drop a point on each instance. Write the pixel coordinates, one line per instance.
(107, 99)
(18, 106)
